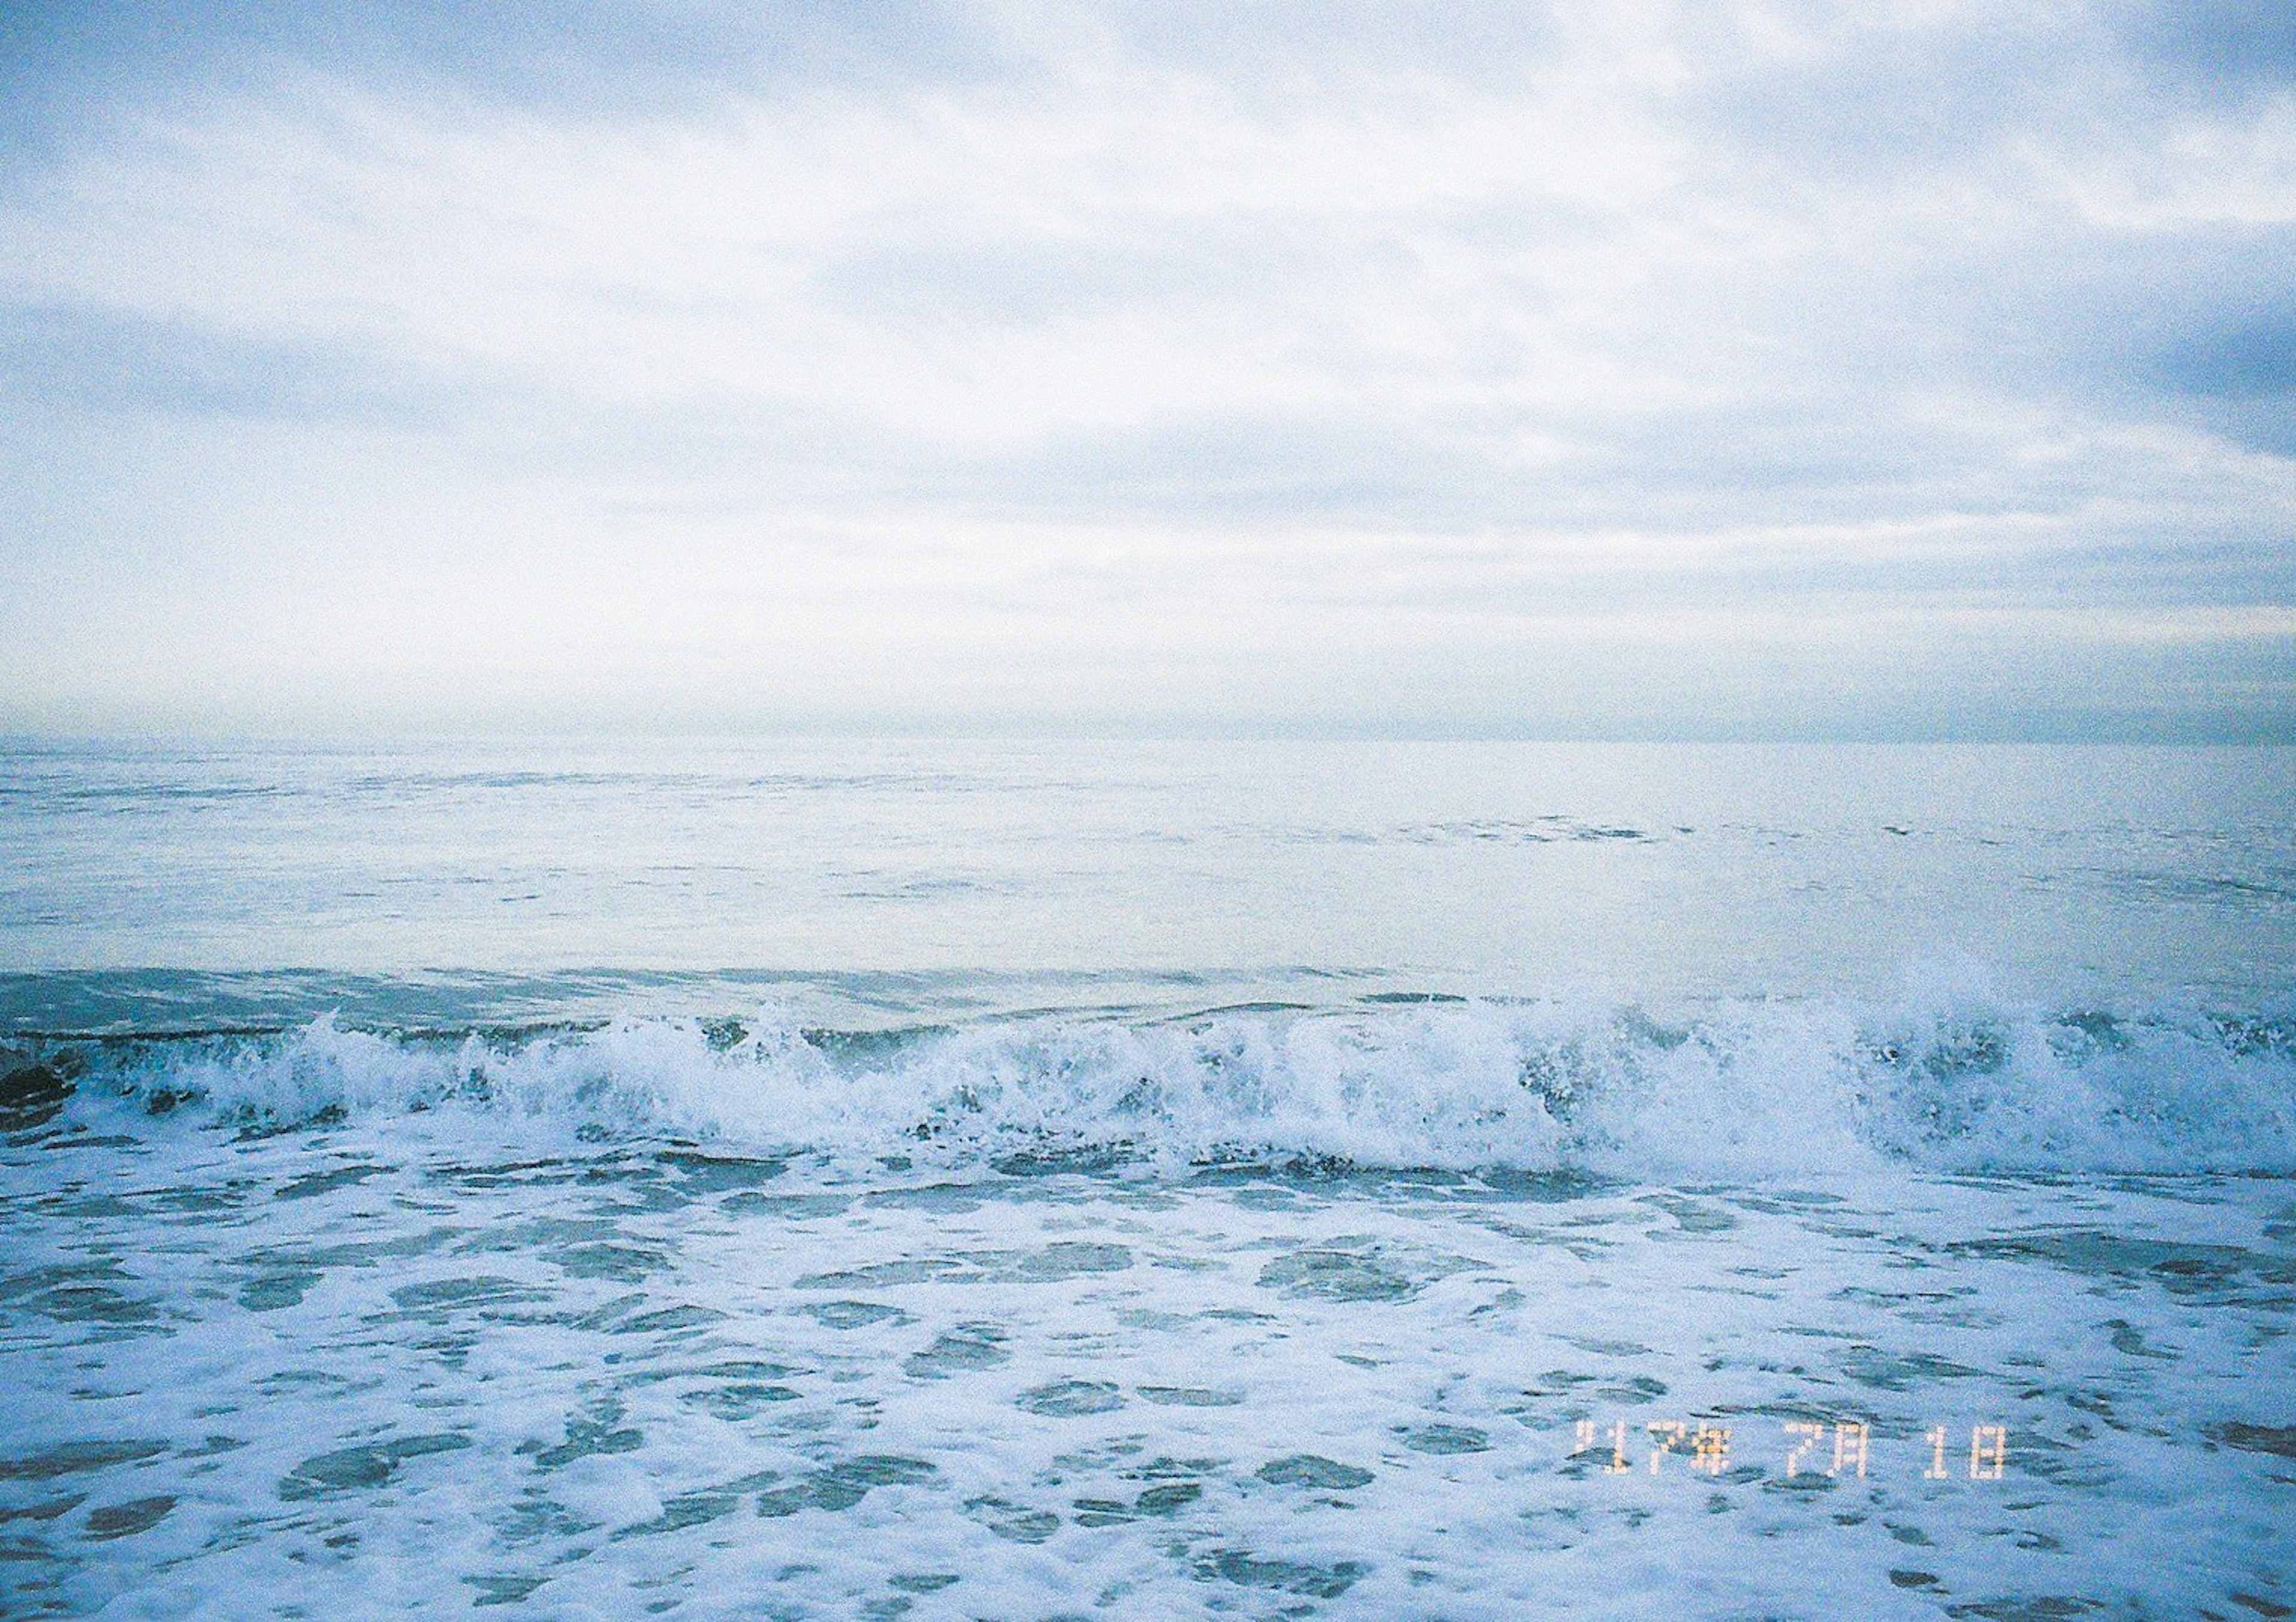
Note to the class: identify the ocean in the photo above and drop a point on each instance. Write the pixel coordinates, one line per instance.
(1002, 1179)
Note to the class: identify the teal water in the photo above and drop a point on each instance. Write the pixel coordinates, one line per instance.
(1035, 1180)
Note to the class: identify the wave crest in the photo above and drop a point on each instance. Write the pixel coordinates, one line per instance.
(1749, 1090)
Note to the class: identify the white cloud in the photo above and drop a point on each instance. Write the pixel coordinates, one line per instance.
(1159, 372)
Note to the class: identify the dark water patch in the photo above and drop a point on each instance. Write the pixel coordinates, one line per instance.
(1887, 1372)
(623, 1263)
(314, 1184)
(50, 1509)
(1337, 1176)
(204, 1203)
(598, 1430)
(97, 1207)
(666, 1320)
(72, 1458)
(359, 1255)
(1545, 1187)
(252, 1128)
(686, 1509)
(1692, 1216)
(1559, 1382)
(1095, 1159)
(700, 1507)
(539, 1234)
(2045, 1608)
(441, 1296)
(871, 1048)
(940, 1198)
(1071, 1399)
(1448, 1439)
(1013, 1522)
(962, 1350)
(703, 1174)
(2252, 1035)
(1248, 1571)
(1155, 1502)
(502, 1589)
(843, 1485)
(738, 1368)
(1360, 1270)
(854, 1314)
(1168, 1499)
(1783, 1201)
(1163, 1468)
(2279, 1440)
(84, 1294)
(39, 1280)
(534, 1515)
(1802, 1484)
(126, 1520)
(612, 1318)
(1633, 1391)
(1313, 1469)
(792, 1208)
(354, 1468)
(290, 1382)
(880, 1275)
(1262, 1198)
(31, 1095)
(2182, 1267)
(621, 1173)
(2129, 1341)
(271, 1291)
(1190, 1396)
(739, 1402)
(885, 1470)
(923, 1582)
(1065, 1259)
(513, 1174)
(1337, 1275)
(2084, 1031)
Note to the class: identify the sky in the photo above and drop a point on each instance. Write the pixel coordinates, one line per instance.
(1729, 368)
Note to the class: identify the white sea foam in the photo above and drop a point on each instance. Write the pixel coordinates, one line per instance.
(1745, 1090)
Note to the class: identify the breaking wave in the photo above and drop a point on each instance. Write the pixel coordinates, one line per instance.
(1749, 1090)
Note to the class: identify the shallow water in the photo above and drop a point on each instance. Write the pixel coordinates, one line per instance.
(405, 1209)
(366, 1370)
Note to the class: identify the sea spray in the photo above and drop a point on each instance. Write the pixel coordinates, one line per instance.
(1740, 1090)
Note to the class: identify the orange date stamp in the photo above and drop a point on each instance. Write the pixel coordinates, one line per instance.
(1837, 1448)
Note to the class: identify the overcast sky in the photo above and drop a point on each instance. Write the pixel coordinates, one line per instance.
(1721, 368)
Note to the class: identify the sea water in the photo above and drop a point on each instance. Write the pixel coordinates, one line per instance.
(1023, 1180)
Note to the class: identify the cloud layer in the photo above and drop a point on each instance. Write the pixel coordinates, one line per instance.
(1759, 368)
